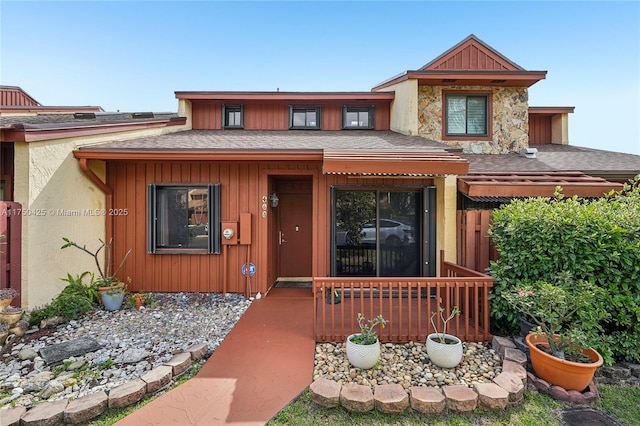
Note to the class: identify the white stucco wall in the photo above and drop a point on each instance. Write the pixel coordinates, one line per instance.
(59, 201)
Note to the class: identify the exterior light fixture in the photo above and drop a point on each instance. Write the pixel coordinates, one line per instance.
(273, 200)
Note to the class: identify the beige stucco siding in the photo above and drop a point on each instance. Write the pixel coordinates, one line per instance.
(446, 190)
(509, 118)
(59, 201)
(404, 108)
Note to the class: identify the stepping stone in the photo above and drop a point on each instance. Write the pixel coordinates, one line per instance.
(491, 396)
(515, 355)
(81, 410)
(460, 398)
(325, 392)
(11, 416)
(47, 413)
(55, 353)
(180, 363)
(158, 378)
(500, 343)
(515, 369)
(197, 351)
(512, 384)
(127, 394)
(356, 398)
(390, 398)
(427, 400)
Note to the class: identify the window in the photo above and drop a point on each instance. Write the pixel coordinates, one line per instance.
(304, 117)
(184, 218)
(383, 232)
(466, 115)
(357, 117)
(232, 116)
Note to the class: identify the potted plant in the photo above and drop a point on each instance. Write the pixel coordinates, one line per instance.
(444, 350)
(363, 349)
(138, 299)
(6, 296)
(566, 316)
(333, 297)
(10, 315)
(112, 290)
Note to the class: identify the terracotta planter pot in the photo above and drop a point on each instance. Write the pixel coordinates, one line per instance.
(566, 374)
(5, 303)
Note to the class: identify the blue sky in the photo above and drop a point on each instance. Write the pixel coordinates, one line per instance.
(133, 55)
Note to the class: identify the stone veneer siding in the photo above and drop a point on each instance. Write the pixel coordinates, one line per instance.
(509, 125)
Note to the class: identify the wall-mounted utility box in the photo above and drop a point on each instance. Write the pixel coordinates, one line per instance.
(245, 228)
(229, 233)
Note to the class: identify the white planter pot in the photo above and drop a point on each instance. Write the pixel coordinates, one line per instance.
(444, 355)
(362, 356)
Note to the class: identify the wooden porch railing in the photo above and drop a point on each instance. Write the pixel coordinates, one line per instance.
(10, 246)
(406, 302)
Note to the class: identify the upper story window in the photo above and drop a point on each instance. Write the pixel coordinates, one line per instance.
(304, 117)
(467, 115)
(357, 117)
(184, 218)
(233, 116)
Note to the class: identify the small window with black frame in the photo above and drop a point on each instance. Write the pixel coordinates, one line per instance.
(304, 117)
(184, 218)
(233, 116)
(360, 117)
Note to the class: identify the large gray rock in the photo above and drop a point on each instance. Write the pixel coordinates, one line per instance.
(55, 353)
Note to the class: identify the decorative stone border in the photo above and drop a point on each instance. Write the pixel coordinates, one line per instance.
(81, 410)
(506, 389)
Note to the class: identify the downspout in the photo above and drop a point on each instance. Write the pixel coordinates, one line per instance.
(108, 195)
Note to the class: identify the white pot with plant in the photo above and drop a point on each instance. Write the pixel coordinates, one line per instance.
(444, 350)
(363, 349)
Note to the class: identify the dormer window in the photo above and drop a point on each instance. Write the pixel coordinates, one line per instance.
(233, 116)
(360, 117)
(304, 117)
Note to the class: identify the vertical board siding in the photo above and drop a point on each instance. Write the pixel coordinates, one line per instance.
(539, 129)
(275, 116)
(475, 250)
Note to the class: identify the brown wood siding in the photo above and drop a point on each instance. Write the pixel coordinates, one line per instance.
(243, 184)
(207, 115)
(475, 250)
(13, 96)
(539, 129)
(471, 58)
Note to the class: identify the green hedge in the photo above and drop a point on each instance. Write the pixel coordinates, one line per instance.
(595, 240)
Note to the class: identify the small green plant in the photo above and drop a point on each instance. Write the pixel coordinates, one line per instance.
(107, 277)
(441, 336)
(367, 336)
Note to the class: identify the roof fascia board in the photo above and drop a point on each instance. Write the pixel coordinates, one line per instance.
(34, 133)
(199, 155)
(283, 96)
(551, 110)
(520, 76)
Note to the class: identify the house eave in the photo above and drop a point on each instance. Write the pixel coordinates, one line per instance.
(468, 78)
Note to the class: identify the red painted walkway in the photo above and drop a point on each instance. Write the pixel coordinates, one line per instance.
(262, 365)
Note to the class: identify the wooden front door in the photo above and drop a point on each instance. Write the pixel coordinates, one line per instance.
(294, 228)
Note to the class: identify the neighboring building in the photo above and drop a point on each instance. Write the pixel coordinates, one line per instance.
(297, 185)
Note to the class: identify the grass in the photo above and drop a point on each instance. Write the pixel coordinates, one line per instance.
(537, 409)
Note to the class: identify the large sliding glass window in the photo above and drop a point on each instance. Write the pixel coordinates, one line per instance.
(379, 233)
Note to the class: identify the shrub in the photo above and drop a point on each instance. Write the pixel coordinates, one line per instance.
(594, 240)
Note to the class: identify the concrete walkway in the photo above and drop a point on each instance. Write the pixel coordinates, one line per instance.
(264, 363)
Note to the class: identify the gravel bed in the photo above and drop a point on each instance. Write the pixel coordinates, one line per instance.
(408, 365)
(133, 343)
